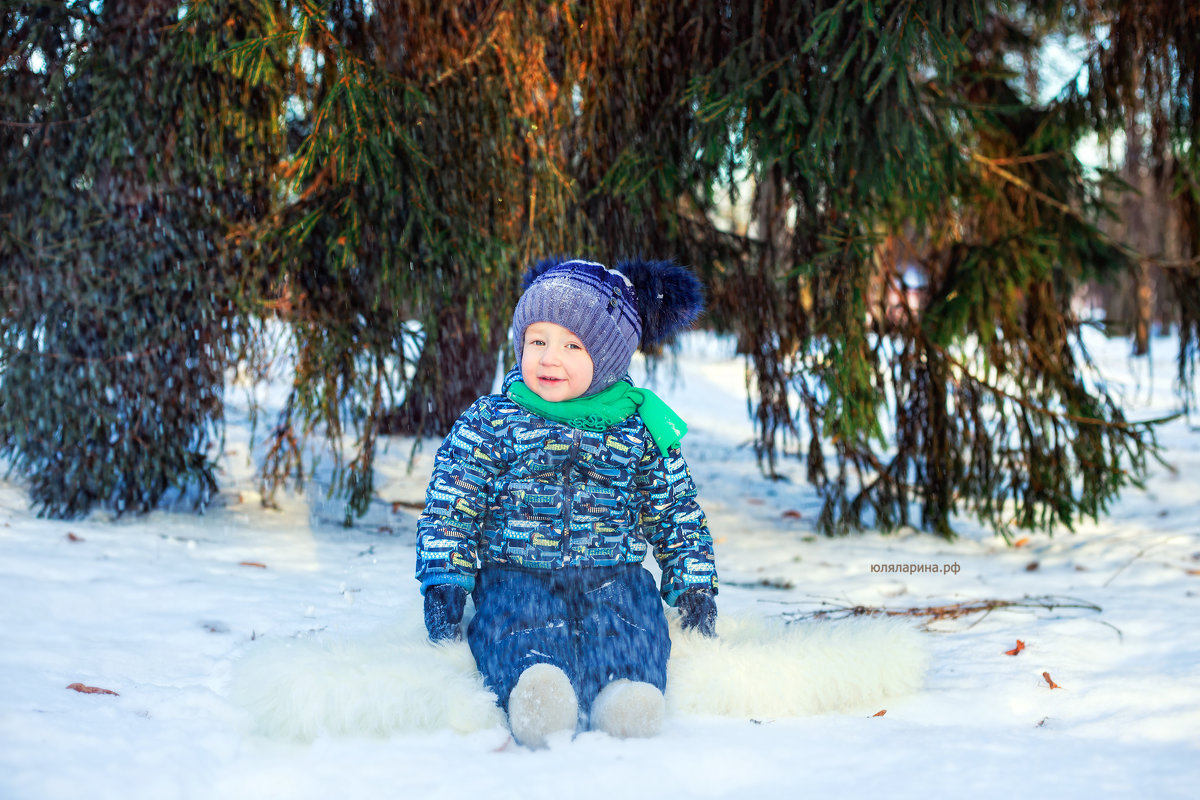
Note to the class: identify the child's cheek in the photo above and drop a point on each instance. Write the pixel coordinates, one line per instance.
(528, 369)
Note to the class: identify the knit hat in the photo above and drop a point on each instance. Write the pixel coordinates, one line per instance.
(612, 311)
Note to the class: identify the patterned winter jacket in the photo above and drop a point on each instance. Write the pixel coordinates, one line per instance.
(511, 487)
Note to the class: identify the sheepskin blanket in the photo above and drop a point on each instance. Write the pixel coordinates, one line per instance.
(395, 681)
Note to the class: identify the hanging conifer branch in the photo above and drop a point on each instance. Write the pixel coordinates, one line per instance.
(431, 150)
(124, 307)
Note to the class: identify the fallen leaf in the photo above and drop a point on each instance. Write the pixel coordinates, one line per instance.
(1031, 566)
(1050, 681)
(1020, 646)
(79, 687)
(1193, 572)
(252, 564)
(879, 713)
(1024, 540)
(791, 513)
(73, 538)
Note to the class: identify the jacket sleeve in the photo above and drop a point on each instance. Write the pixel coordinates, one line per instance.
(449, 529)
(674, 524)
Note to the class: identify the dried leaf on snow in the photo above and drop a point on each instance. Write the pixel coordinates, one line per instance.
(79, 687)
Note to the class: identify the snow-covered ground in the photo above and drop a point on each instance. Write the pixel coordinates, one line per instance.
(160, 608)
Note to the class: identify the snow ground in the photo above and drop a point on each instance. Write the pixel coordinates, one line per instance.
(158, 609)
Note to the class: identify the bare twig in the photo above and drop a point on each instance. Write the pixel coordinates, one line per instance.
(1135, 557)
(942, 612)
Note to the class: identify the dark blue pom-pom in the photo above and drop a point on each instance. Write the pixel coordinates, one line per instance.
(540, 268)
(669, 298)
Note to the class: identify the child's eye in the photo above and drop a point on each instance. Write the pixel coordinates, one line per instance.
(537, 343)
(575, 346)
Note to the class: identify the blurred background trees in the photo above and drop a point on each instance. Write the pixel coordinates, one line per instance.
(885, 199)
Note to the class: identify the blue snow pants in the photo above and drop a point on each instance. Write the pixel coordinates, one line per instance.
(597, 624)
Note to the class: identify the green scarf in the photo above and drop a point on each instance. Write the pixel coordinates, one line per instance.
(605, 409)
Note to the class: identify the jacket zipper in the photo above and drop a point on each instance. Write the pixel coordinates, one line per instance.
(569, 494)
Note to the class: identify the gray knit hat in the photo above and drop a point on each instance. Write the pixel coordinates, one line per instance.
(595, 303)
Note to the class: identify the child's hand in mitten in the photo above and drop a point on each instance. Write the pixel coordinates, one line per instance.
(443, 611)
(699, 611)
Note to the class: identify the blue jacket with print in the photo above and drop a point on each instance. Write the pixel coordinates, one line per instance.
(511, 487)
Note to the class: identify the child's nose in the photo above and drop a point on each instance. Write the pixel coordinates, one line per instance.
(549, 356)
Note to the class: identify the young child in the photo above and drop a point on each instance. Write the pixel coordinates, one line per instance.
(545, 499)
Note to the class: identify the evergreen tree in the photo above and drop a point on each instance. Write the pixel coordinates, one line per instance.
(867, 124)
(867, 129)
(435, 149)
(120, 281)
(415, 194)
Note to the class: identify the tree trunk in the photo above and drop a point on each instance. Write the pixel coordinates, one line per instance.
(1137, 225)
(456, 367)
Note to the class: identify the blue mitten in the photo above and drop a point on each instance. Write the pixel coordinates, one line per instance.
(443, 611)
(699, 610)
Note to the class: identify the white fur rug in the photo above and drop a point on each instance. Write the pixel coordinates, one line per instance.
(395, 681)
(764, 669)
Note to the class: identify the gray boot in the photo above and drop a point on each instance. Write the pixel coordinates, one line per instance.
(629, 709)
(543, 702)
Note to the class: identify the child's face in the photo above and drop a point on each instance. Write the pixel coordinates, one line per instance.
(554, 362)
